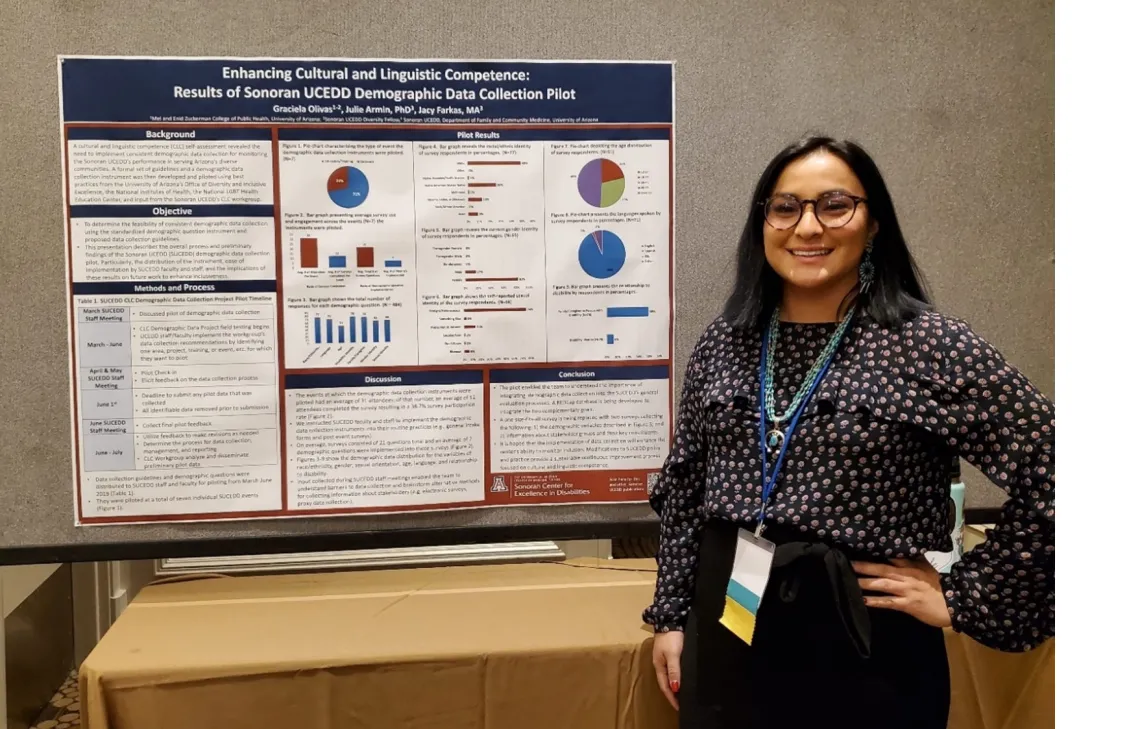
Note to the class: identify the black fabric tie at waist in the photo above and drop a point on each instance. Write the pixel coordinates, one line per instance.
(811, 657)
(846, 595)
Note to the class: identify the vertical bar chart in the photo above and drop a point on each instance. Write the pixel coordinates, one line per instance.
(352, 329)
(316, 254)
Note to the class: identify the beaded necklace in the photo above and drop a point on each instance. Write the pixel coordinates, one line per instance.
(775, 436)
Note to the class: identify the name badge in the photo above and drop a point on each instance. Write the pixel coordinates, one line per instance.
(750, 570)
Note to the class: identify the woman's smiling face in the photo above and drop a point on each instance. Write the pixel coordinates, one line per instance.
(805, 253)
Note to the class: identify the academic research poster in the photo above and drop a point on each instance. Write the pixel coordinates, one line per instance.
(310, 287)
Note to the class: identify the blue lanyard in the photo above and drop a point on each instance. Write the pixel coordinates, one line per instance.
(769, 482)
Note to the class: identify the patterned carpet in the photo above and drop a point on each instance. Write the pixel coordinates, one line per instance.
(63, 711)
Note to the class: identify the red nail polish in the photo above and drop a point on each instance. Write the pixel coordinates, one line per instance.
(675, 685)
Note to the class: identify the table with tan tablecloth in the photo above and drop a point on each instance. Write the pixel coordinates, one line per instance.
(529, 645)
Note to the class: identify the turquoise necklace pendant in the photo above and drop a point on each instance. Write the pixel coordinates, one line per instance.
(775, 439)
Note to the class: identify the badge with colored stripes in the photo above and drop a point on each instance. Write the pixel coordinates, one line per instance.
(750, 569)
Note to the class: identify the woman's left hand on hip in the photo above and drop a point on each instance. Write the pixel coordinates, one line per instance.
(909, 586)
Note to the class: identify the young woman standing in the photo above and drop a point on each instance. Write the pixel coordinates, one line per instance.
(823, 411)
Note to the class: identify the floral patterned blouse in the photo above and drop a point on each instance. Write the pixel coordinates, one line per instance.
(869, 465)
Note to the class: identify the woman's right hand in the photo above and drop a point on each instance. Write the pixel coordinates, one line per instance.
(667, 663)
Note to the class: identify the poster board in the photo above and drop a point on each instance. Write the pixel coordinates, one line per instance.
(957, 114)
(323, 287)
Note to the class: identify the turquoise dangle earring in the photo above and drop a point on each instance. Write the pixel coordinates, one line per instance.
(867, 269)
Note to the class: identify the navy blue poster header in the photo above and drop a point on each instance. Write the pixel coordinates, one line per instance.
(288, 91)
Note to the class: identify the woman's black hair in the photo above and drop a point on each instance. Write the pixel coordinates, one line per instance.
(898, 291)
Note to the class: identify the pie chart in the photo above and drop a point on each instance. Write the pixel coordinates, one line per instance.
(601, 182)
(601, 254)
(348, 187)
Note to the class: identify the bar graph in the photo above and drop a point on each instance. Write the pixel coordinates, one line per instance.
(311, 256)
(480, 184)
(361, 257)
(611, 330)
(376, 331)
(351, 329)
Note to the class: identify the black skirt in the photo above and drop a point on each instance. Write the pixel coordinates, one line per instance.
(819, 657)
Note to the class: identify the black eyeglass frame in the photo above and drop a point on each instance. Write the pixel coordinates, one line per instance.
(814, 208)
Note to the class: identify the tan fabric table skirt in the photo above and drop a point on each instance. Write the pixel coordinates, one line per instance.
(490, 647)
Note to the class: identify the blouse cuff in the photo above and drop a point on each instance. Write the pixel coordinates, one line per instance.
(953, 603)
(663, 623)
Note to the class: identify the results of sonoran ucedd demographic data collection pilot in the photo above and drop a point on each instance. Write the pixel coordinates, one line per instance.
(429, 75)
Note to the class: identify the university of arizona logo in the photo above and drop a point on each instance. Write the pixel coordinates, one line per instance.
(499, 485)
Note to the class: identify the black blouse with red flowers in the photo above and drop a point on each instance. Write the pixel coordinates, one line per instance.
(869, 465)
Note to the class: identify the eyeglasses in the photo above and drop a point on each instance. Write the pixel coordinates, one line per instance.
(833, 210)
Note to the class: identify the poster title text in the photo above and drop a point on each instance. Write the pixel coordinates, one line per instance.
(321, 83)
